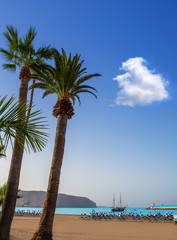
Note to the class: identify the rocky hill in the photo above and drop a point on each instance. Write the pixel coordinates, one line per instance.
(36, 199)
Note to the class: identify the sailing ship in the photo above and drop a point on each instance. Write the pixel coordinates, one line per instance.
(120, 208)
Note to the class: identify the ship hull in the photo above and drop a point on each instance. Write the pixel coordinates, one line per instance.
(118, 209)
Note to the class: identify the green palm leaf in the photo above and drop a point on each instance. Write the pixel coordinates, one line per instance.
(21, 51)
(66, 78)
(29, 127)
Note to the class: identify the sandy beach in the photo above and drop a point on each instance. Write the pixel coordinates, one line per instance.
(69, 227)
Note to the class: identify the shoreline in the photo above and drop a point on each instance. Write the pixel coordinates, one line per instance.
(99, 210)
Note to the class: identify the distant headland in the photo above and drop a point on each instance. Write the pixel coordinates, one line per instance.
(36, 199)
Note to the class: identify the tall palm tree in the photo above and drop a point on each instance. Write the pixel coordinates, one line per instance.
(20, 53)
(66, 80)
(29, 128)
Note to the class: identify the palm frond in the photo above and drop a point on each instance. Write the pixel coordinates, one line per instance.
(2, 148)
(76, 88)
(11, 67)
(28, 39)
(47, 92)
(78, 98)
(66, 78)
(85, 91)
(86, 78)
(30, 127)
(11, 36)
(44, 52)
(20, 51)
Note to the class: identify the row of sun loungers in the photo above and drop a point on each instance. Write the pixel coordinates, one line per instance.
(158, 217)
(27, 213)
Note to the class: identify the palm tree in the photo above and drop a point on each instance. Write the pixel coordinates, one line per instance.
(20, 53)
(28, 127)
(2, 193)
(66, 80)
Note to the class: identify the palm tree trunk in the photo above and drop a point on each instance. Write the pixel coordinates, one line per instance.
(9, 203)
(44, 231)
(31, 99)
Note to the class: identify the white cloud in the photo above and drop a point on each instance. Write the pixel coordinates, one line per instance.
(139, 85)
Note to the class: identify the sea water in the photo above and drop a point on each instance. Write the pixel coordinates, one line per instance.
(106, 210)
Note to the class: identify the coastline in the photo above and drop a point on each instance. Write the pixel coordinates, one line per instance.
(107, 210)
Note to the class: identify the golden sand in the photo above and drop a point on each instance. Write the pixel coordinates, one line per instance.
(69, 227)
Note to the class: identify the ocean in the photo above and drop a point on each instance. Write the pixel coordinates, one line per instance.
(107, 210)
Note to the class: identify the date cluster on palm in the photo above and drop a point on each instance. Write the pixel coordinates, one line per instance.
(25, 73)
(63, 106)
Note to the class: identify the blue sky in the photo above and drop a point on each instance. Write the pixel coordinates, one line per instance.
(125, 141)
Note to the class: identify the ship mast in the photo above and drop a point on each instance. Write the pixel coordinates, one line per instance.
(120, 200)
(114, 203)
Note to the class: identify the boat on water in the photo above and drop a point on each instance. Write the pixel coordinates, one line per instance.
(162, 207)
(119, 208)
